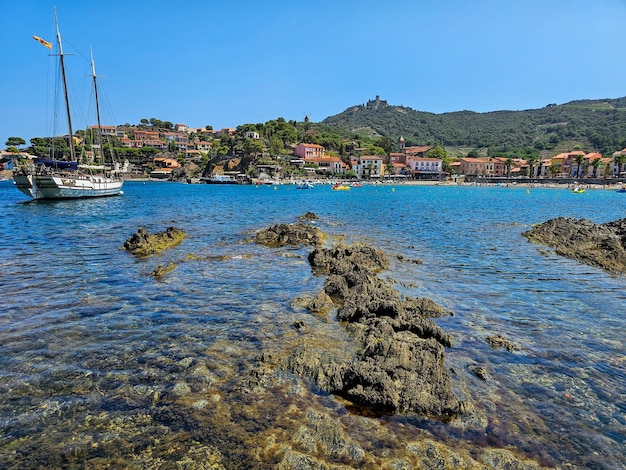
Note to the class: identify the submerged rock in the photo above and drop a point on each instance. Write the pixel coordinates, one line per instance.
(143, 243)
(289, 234)
(499, 341)
(159, 271)
(602, 245)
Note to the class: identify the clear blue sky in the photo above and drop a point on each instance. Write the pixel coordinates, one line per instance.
(226, 63)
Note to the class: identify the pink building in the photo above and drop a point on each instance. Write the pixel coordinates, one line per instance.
(305, 151)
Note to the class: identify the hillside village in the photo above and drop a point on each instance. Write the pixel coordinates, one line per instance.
(279, 149)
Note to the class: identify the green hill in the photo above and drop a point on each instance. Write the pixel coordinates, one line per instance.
(598, 125)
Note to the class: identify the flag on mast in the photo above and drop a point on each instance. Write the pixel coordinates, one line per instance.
(43, 41)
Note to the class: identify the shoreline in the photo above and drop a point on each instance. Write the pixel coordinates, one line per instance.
(567, 184)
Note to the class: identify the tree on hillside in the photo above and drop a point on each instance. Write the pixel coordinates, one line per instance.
(148, 152)
(386, 144)
(15, 142)
(253, 147)
(437, 152)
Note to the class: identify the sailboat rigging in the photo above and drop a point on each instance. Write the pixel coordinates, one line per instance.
(48, 178)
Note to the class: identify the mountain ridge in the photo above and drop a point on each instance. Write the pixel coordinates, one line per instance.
(590, 124)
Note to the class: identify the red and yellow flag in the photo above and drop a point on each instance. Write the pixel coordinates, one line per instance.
(43, 41)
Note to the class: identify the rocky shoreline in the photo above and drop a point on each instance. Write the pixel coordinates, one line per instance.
(601, 245)
(381, 355)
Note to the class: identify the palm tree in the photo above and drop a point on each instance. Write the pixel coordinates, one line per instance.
(553, 169)
(596, 163)
(390, 168)
(508, 164)
(579, 159)
(531, 160)
(539, 172)
(619, 159)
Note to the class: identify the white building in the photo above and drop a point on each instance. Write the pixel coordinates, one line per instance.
(424, 166)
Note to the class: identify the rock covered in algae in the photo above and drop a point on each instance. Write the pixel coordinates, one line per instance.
(144, 243)
(398, 364)
(290, 234)
(602, 245)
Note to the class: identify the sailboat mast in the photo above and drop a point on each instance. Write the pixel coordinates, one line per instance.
(67, 101)
(95, 89)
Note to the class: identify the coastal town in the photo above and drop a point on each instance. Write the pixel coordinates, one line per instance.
(280, 151)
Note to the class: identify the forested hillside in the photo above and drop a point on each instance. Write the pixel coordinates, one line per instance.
(598, 125)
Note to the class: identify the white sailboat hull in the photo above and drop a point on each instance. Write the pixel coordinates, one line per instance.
(51, 186)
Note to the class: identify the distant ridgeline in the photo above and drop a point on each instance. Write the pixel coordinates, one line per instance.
(598, 125)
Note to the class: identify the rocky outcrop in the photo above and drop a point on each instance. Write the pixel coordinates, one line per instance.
(309, 216)
(602, 245)
(398, 359)
(143, 243)
(289, 234)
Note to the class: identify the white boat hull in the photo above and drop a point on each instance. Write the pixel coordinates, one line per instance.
(51, 186)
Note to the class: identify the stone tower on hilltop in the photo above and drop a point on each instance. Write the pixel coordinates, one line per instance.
(377, 103)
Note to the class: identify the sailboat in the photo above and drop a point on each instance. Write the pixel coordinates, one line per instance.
(47, 178)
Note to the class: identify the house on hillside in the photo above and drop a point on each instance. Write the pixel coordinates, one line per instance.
(107, 131)
(327, 165)
(305, 151)
(148, 139)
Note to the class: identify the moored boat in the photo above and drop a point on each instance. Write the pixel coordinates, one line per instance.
(47, 178)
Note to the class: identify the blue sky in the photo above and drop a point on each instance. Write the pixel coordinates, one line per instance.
(226, 63)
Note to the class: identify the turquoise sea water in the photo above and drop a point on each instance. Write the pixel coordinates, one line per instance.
(102, 364)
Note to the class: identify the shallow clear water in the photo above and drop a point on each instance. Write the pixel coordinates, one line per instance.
(101, 362)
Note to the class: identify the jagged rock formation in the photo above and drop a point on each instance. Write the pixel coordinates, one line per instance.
(398, 363)
(289, 234)
(602, 245)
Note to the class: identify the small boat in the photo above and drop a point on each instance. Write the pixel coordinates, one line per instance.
(578, 190)
(52, 178)
(305, 185)
(220, 179)
(622, 189)
(356, 184)
(341, 187)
